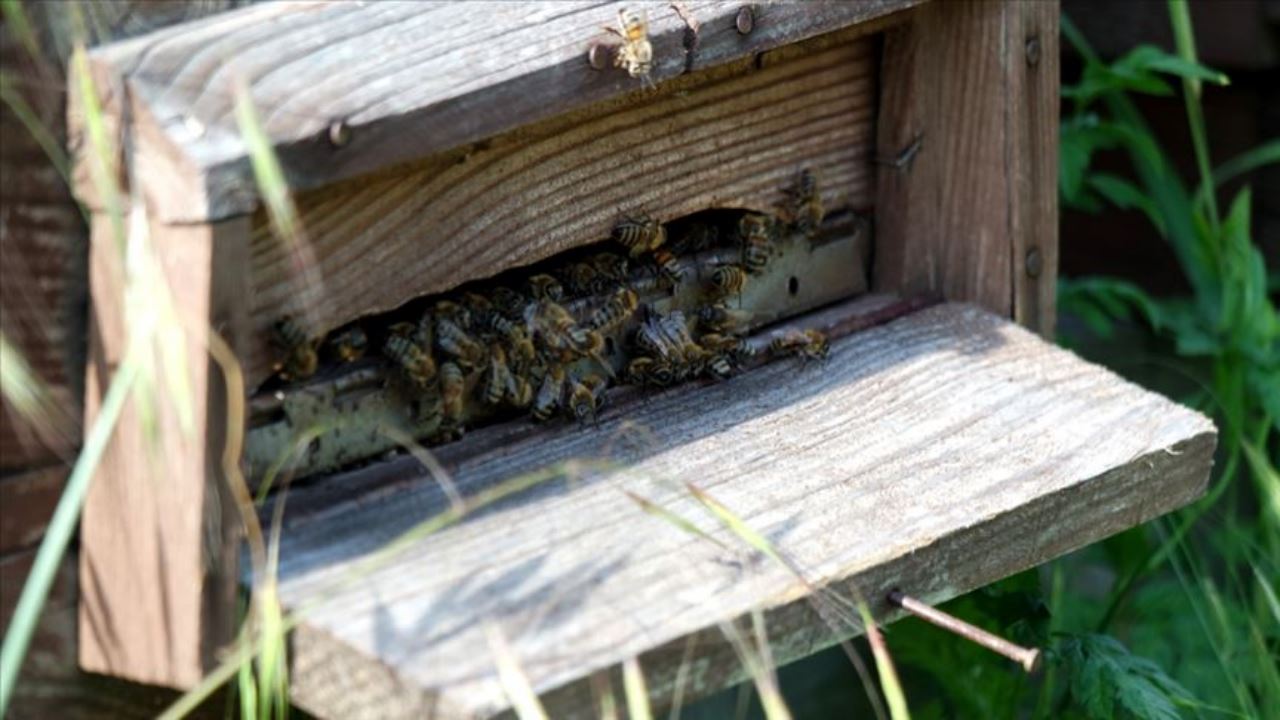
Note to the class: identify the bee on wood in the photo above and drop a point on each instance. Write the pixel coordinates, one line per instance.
(724, 320)
(735, 348)
(668, 267)
(452, 388)
(556, 331)
(498, 380)
(635, 55)
(581, 279)
(805, 203)
(696, 238)
(651, 371)
(729, 280)
(757, 243)
(416, 364)
(585, 397)
(639, 235)
(519, 392)
(718, 365)
(348, 345)
(611, 266)
(550, 393)
(299, 360)
(545, 287)
(807, 344)
(452, 340)
(453, 312)
(619, 308)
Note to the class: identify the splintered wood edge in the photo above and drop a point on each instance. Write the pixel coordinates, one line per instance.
(491, 71)
(1156, 458)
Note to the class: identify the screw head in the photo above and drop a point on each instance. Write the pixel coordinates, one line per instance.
(1034, 263)
(1033, 51)
(746, 20)
(598, 56)
(339, 133)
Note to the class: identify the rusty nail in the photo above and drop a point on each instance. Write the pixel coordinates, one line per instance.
(339, 133)
(1033, 51)
(746, 20)
(1034, 263)
(598, 56)
(1028, 658)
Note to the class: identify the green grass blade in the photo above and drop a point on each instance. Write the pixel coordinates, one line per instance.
(1265, 154)
(514, 681)
(637, 694)
(53, 150)
(61, 527)
(679, 522)
(1184, 41)
(889, 682)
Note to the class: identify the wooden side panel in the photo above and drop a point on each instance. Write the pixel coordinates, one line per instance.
(157, 565)
(937, 453)
(732, 139)
(967, 147)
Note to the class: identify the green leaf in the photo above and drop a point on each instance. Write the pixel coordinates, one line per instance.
(1104, 676)
(1151, 58)
(1127, 196)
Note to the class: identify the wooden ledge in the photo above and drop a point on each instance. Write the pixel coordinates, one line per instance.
(407, 80)
(937, 453)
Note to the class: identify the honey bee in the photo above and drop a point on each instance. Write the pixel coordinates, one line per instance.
(557, 332)
(299, 359)
(454, 312)
(668, 266)
(651, 371)
(545, 287)
(611, 266)
(639, 234)
(722, 319)
(735, 348)
(808, 344)
(757, 246)
(416, 364)
(718, 365)
(499, 380)
(615, 312)
(585, 397)
(636, 52)
(348, 345)
(550, 393)
(454, 341)
(425, 333)
(452, 388)
(805, 203)
(729, 280)
(582, 279)
(696, 238)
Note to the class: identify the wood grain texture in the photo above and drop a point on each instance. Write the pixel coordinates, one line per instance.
(733, 139)
(157, 570)
(410, 79)
(937, 453)
(979, 193)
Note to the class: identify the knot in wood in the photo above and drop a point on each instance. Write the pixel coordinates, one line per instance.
(746, 20)
(1033, 51)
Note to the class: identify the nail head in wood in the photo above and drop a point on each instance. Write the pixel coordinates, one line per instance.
(598, 56)
(339, 133)
(1034, 263)
(1028, 658)
(1033, 51)
(746, 20)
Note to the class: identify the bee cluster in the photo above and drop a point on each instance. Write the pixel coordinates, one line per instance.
(656, 309)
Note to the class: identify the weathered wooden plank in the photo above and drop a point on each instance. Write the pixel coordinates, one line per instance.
(157, 567)
(967, 152)
(936, 453)
(459, 73)
(732, 139)
(1034, 166)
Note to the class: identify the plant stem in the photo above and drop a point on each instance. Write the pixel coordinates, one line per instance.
(1185, 42)
(61, 527)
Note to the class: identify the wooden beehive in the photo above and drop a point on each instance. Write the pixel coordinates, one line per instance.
(431, 144)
